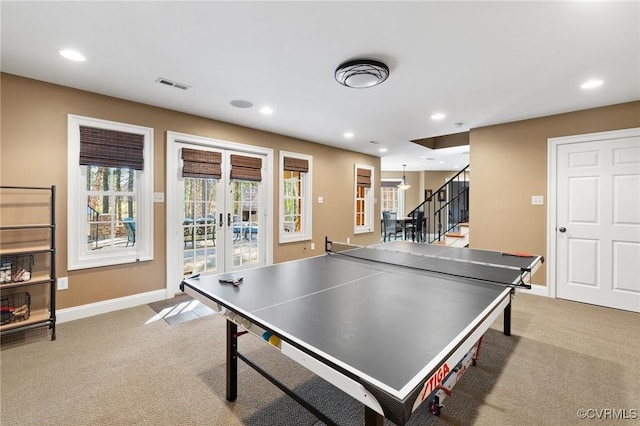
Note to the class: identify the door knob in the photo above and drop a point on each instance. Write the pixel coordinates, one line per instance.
(562, 229)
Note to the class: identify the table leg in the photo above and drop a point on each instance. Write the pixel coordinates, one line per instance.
(371, 418)
(507, 320)
(232, 361)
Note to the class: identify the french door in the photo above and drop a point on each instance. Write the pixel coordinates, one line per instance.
(217, 220)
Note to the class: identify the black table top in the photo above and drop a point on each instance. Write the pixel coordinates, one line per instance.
(381, 322)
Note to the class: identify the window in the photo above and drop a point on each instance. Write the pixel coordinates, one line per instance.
(392, 198)
(363, 200)
(110, 204)
(295, 197)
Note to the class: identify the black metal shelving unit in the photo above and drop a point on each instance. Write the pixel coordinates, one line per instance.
(14, 293)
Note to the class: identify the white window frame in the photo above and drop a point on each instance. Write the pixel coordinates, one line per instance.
(368, 201)
(305, 233)
(400, 198)
(78, 257)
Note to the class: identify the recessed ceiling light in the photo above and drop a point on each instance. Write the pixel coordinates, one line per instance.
(437, 116)
(382, 150)
(591, 84)
(73, 55)
(241, 104)
(266, 110)
(348, 135)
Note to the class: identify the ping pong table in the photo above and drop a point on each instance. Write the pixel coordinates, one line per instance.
(392, 325)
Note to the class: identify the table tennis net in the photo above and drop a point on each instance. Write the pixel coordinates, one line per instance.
(450, 267)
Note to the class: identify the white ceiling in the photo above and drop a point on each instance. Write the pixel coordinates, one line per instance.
(480, 63)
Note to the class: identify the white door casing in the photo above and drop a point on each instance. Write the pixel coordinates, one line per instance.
(594, 219)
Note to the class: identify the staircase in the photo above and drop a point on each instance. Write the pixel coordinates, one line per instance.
(446, 213)
(458, 238)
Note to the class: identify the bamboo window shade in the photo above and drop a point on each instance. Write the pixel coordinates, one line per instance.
(363, 177)
(111, 148)
(246, 168)
(296, 165)
(390, 183)
(201, 164)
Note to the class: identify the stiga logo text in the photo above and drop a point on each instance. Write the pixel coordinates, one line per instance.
(435, 380)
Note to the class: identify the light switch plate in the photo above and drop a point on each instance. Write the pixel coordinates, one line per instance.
(63, 283)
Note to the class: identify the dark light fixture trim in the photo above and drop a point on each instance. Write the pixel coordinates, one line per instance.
(361, 73)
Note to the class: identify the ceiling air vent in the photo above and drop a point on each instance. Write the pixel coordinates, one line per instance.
(172, 83)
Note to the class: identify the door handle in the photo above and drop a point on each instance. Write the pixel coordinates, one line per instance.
(562, 229)
(221, 223)
(228, 219)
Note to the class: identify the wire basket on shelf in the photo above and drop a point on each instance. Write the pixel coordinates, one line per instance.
(15, 307)
(5, 270)
(16, 269)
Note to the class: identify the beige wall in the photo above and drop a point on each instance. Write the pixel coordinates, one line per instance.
(34, 152)
(509, 165)
(508, 162)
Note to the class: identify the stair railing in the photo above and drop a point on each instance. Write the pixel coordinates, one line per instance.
(445, 209)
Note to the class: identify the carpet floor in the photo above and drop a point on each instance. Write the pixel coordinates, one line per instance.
(134, 367)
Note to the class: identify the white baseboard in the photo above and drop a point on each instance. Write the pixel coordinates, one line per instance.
(91, 309)
(536, 290)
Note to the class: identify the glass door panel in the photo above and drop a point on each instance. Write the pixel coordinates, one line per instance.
(199, 226)
(245, 229)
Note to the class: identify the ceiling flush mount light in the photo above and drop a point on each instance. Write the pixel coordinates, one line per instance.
(361, 73)
(403, 184)
(72, 55)
(591, 84)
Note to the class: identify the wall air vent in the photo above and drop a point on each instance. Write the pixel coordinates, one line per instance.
(172, 83)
